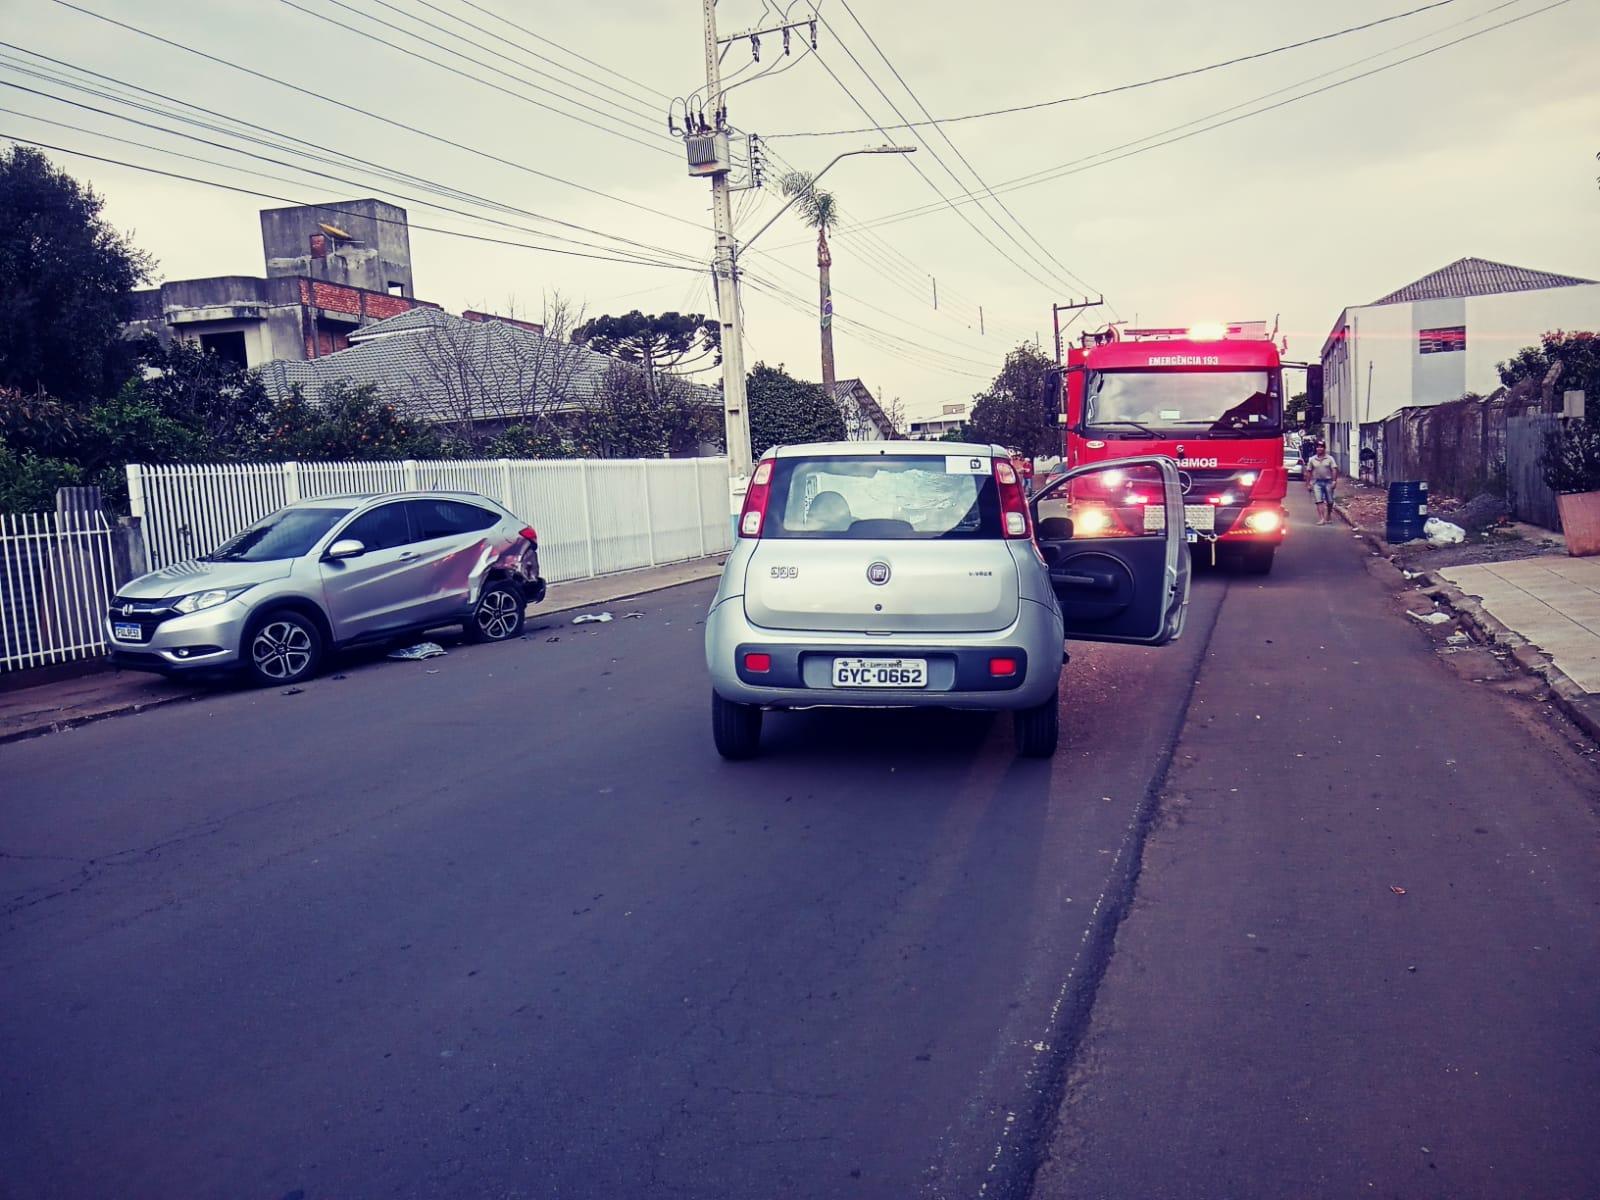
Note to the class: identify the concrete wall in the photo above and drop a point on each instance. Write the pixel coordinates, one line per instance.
(1499, 326)
(1378, 368)
(379, 254)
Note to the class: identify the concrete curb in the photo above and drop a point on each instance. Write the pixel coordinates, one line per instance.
(66, 723)
(623, 587)
(1582, 708)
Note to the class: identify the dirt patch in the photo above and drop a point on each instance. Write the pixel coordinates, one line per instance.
(1367, 508)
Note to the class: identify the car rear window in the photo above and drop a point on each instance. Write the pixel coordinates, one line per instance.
(447, 518)
(883, 497)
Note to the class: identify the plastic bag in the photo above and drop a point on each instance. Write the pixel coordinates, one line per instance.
(1443, 533)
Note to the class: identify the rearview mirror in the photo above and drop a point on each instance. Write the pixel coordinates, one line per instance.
(345, 548)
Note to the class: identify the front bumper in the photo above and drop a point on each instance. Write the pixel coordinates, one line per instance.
(202, 641)
(958, 664)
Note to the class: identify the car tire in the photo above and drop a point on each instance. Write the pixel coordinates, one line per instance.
(1038, 729)
(281, 648)
(498, 615)
(735, 727)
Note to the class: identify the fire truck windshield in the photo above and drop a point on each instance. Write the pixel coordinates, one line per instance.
(1224, 402)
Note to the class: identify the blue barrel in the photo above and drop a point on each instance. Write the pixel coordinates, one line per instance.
(1408, 511)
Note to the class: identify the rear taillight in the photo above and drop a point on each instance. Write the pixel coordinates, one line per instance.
(1013, 501)
(529, 532)
(755, 500)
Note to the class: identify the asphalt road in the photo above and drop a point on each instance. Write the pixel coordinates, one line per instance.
(501, 924)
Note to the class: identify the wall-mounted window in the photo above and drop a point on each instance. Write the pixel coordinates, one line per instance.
(1442, 341)
(396, 288)
(227, 346)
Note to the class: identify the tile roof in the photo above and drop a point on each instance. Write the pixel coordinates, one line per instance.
(1478, 277)
(436, 366)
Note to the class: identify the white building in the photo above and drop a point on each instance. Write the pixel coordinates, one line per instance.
(1439, 338)
(931, 429)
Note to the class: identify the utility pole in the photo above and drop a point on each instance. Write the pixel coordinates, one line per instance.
(1077, 308)
(735, 412)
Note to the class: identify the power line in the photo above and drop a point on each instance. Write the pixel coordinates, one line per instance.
(425, 184)
(899, 270)
(949, 142)
(656, 250)
(648, 104)
(1125, 87)
(549, 42)
(1072, 167)
(923, 175)
(894, 347)
(390, 121)
(478, 79)
(243, 191)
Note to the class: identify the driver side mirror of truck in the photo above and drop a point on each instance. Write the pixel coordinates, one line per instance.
(1314, 407)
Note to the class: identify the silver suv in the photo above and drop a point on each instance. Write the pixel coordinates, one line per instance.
(328, 573)
(920, 574)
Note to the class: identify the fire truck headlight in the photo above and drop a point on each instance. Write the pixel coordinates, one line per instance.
(1248, 479)
(1113, 478)
(1091, 522)
(1265, 521)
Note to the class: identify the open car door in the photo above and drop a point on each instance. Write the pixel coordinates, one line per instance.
(1114, 537)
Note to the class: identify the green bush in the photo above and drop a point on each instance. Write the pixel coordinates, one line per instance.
(28, 481)
(1571, 460)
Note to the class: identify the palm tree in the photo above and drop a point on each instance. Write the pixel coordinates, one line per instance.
(819, 210)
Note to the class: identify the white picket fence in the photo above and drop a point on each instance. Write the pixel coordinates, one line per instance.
(56, 576)
(594, 516)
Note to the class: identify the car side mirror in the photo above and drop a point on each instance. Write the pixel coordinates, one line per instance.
(345, 548)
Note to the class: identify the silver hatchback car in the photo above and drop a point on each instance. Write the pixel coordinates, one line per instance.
(328, 573)
(920, 574)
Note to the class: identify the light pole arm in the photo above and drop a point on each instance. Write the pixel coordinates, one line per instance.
(745, 245)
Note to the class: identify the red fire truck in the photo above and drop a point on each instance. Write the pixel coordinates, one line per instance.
(1211, 397)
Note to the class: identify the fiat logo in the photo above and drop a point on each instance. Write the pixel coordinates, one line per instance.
(878, 572)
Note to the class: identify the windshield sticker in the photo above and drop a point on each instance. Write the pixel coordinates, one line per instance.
(958, 464)
(1171, 414)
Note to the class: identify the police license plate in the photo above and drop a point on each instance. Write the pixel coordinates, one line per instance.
(126, 632)
(1201, 517)
(880, 672)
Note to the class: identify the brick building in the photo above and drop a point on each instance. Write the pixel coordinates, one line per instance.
(330, 270)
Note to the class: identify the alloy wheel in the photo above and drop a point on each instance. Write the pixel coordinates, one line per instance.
(281, 650)
(497, 614)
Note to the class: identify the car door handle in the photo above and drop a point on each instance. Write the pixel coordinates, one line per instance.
(1100, 583)
(408, 556)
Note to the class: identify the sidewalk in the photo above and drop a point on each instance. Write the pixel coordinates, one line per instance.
(63, 704)
(1554, 603)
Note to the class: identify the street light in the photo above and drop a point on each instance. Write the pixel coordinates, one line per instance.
(740, 249)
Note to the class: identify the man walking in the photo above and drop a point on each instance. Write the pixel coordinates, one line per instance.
(1322, 476)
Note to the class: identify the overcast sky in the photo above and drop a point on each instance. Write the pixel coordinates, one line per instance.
(1487, 148)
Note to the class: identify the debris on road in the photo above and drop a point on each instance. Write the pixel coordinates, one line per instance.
(588, 617)
(292, 691)
(1433, 618)
(1443, 533)
(1397, 889)
(633, 616)
(420, 651)
(1458, 638)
